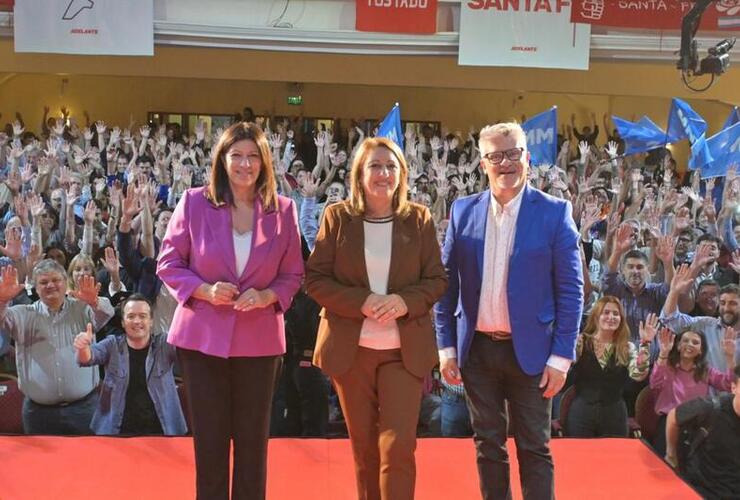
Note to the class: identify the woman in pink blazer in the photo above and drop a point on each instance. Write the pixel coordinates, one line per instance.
(232, 260)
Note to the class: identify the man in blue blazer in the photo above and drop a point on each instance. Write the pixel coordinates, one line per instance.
(508, 323)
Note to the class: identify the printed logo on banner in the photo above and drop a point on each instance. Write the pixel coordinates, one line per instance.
(111, 27)
(592, 9)
(522, 33)
(75, 7)
(654, 14)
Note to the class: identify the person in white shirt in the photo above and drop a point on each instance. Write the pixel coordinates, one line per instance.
(508, 322)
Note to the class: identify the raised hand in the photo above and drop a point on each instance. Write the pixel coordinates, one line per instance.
(683, 279)
(611, 149)
(624, 238)
(310, 186)
(9, 286)
(664, 250)
(12, 248)
(729, 343)
(88, 215)
(665, 341)
(130, 204)
(144, 131)
(110, 262)
(87, 291)
(17, 129)
(649, 328)
(583, 150)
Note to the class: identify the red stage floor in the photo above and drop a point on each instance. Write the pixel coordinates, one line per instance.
(81, 468)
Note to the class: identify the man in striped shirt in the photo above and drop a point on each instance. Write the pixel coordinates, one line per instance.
(60, 396)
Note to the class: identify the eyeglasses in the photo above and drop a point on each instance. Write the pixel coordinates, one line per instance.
(496, 157)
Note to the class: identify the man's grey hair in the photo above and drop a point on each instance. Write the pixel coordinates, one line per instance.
(505, 129)
(48, 266)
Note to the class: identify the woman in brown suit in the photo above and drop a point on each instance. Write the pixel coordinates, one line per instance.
(376, 270)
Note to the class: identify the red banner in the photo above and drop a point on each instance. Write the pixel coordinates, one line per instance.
(397, 16)
(654, 14)
(6, 5)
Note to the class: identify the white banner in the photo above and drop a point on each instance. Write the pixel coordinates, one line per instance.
(115, 27)
(523, 33)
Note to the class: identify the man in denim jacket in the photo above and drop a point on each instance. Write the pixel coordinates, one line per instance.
(138, 395)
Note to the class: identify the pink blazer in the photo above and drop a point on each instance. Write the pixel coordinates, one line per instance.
(199, 248)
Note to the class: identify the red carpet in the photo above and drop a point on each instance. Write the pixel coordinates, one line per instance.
(50, 468)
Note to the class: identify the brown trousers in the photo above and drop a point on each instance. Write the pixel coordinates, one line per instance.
(381, 402)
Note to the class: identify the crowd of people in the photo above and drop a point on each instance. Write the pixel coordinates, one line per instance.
(97, 218)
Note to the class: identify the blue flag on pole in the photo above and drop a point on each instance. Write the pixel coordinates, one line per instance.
(725, 149)
(390, 127)
(733, 118)
(641, 136)
(685, 123)
(542, 137)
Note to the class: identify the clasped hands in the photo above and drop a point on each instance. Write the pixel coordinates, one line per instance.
(224, 293)
(384, 308)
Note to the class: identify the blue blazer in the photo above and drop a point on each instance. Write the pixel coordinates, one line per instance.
(545, 283)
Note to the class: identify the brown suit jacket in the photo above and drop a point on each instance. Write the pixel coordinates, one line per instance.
(336, 277)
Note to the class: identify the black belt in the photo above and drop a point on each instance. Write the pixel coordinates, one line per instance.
(496, 336)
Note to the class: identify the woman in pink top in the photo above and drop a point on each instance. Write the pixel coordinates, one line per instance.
(682, 374)
(232, 260)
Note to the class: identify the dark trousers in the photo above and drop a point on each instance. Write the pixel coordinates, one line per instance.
(300, 406)
(229, 399)
(596, 419)
(71, 419)
(492, 376)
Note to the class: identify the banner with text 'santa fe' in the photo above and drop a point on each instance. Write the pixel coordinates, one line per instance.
(111, 27)
(522, 33)
(397, 16)
(655, 14)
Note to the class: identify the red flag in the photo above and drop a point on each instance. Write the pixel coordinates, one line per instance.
(397, 16)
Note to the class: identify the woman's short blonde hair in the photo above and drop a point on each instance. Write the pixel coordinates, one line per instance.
(79, 260)
(357, 194)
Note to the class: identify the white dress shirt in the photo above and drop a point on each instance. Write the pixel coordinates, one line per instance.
(493, 305)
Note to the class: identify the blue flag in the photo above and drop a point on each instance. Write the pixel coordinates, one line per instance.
(390, 127)
(725, 149)
(685, 123)
(641, 136)
(733, 118)
(542, 137)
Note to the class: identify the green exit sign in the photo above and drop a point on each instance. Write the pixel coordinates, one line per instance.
(295, 100)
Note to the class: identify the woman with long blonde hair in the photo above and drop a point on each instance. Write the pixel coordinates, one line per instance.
(376, 270)
(606, 361)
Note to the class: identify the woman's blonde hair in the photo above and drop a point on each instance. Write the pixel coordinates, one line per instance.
(78, 260)
(621, 335)
(219, 190)
(357, 194)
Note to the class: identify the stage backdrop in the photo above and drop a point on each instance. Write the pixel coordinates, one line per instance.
(658, 14)
(523, 33)
(113, 27)
(397, 16)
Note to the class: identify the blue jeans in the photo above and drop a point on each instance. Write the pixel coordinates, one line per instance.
(454, 415)
(72, 419)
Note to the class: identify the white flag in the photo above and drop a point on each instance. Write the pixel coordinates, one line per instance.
(114, 27)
